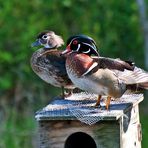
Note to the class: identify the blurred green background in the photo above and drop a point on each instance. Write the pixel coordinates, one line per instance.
(115, 26)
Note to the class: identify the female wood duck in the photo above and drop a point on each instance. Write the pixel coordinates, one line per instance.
(100, 75)
(47, 63)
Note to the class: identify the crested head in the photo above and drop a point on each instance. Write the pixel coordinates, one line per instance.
(48, 39)
(82, 44)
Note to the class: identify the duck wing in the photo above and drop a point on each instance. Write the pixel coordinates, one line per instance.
(109, 63)
(114, 64)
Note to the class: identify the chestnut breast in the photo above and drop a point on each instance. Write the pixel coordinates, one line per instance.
(78, 63)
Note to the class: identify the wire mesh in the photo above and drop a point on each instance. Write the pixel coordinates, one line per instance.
(81, 106)
(85, 110)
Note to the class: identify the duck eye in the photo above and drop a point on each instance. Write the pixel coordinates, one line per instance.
(75, 42)
(44, 37)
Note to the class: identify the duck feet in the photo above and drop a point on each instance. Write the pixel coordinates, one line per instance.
(108, 102)
(64, 94)
(98, 102)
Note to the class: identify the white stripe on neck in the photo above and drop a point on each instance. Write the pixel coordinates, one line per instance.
(90, 68)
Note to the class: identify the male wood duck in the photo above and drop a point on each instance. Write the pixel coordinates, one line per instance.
(100, 75)
(47, 63)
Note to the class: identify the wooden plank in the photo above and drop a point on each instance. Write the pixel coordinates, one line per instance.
(54, 134)
(130, 133)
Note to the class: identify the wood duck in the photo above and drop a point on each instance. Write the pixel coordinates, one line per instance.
(47, 63)
(101, 75)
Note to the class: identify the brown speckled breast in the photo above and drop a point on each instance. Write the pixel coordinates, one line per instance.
(51, 68)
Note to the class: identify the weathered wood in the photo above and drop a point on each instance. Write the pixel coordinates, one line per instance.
(130, 129)
(55, 133)
(119, 127)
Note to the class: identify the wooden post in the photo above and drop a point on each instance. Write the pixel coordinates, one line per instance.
(118, 128)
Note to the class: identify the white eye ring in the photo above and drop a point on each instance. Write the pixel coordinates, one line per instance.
(44, 36)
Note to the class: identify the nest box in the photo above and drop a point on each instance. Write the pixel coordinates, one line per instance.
(74, 123)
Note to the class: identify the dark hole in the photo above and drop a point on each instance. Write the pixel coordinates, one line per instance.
(80, 140)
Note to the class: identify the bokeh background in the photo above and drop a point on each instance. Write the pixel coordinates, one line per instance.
(118, 27)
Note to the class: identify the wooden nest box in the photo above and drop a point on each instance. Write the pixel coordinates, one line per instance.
(75, 123)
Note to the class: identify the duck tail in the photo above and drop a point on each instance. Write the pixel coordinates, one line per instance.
(137, 87)
(143, 85)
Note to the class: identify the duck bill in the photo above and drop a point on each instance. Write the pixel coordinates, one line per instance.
(36, 43)
(67, 50)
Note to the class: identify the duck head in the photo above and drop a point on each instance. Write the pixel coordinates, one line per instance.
(81, 44)
(48, 39)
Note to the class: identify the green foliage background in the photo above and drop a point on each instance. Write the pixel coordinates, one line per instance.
(115, 26)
